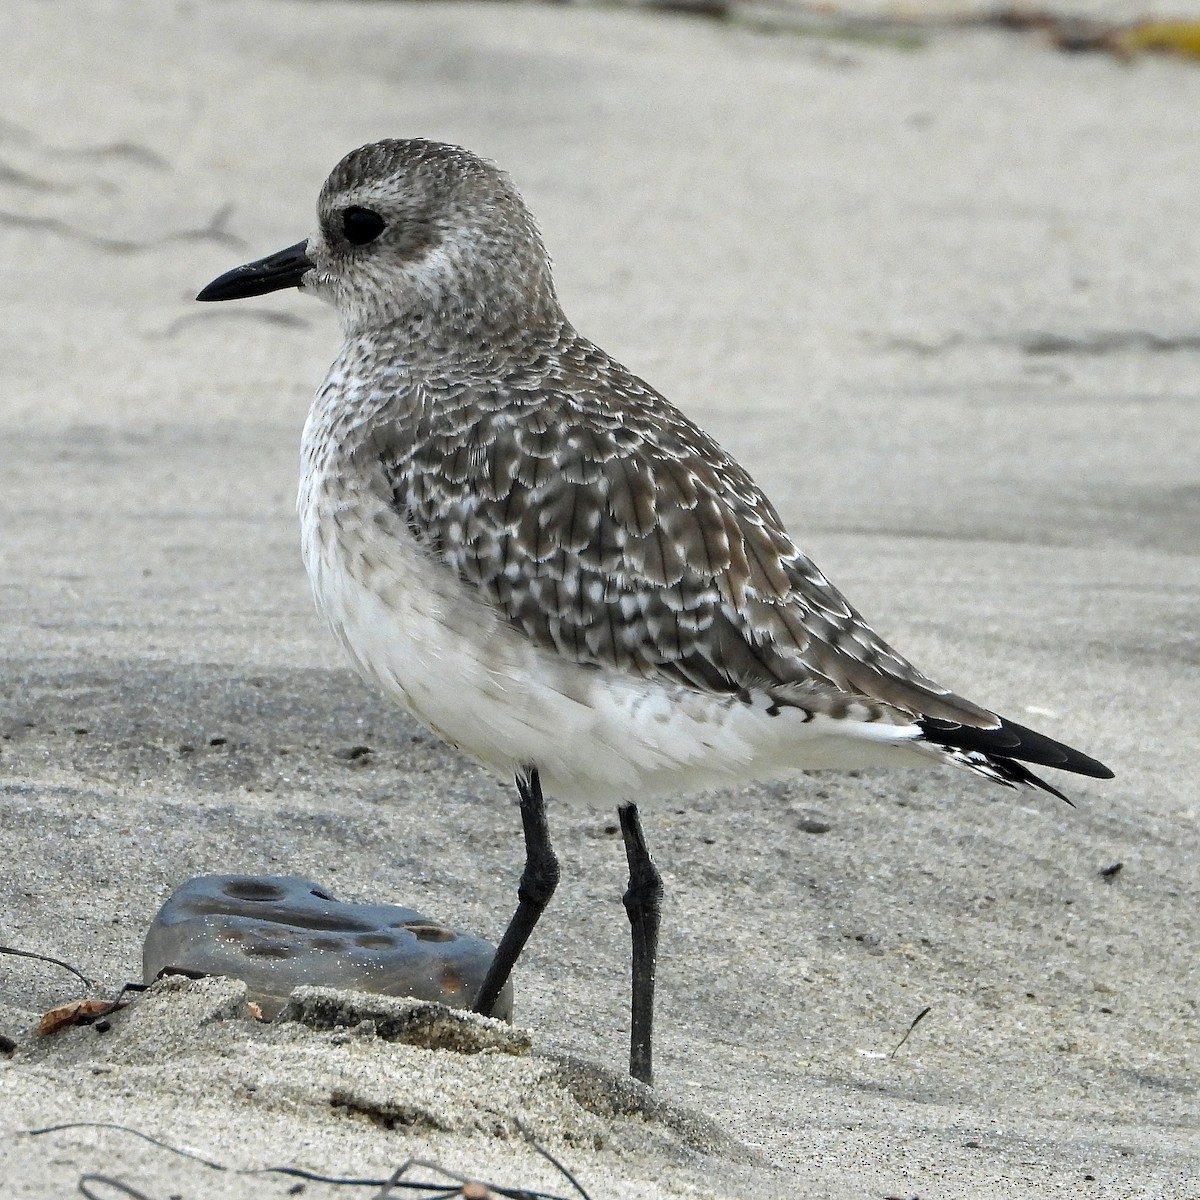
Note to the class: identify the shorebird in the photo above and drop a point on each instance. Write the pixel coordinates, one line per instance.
(548, 564)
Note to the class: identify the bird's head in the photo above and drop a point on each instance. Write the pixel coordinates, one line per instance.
(413, 231)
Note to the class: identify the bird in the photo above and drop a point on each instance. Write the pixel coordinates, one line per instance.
(549, 565)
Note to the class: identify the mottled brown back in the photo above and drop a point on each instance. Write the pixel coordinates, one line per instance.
(610, 529)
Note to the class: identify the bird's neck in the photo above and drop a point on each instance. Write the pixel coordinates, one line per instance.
(437, 344)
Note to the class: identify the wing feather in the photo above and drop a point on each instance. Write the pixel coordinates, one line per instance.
(609, 528)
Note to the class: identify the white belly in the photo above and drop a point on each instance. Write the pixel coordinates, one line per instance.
(430, 641)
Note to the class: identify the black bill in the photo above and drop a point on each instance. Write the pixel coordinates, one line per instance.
(283, 269)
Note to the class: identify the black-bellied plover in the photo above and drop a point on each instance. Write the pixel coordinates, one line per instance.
(548, 564)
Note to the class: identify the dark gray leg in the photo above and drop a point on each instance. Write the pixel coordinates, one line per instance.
(643, 903)
(538, 881)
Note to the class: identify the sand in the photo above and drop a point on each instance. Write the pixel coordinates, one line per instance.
(940, 299)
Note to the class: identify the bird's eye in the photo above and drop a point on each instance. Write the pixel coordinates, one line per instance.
(361, 225)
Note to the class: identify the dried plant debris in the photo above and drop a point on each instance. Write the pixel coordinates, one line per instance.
(47, 958)
(84, 1011)
(92, 1011)
(1076, 35)
(450, 1184)
(77, 1012)
(101, 1187)
(1065, 31)
(915, 1022)
(1168, 37)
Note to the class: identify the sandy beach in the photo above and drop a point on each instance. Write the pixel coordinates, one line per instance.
(939, 296)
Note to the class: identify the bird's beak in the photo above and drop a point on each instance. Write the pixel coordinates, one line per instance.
(284, 269)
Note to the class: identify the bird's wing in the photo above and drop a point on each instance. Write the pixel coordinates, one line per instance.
(611, 529)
